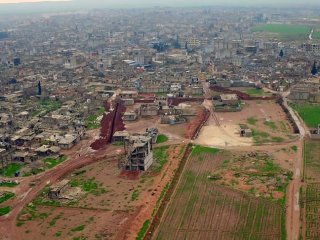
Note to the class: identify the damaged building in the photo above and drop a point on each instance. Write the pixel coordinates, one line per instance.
(139, 156)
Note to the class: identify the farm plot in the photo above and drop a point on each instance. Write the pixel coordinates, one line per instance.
(284, 31)
(202, 209)
(312, 208)
(312, 161)
(311, 191)
(310, 114)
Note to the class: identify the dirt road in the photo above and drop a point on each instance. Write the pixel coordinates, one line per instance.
(79, 156)
(293, 189)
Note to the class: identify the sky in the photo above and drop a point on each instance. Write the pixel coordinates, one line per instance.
(38, 6)
(30, 1)
(175, 2)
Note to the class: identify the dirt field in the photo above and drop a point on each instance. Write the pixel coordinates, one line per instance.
(212, 136)
(203, 209)
(114, 205)
(173, 132)
(266, 119)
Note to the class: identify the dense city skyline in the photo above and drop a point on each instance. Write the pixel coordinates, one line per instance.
(170, 119)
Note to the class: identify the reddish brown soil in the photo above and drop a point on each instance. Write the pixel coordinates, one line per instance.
(177, 101)
(194, 126)
(130, 175)
(79, 156)
(110, 123)
(112, 215)
(151, 198)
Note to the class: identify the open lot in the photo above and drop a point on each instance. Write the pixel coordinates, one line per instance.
(254, 92)
(202, 208)
(266, 119)
(111, 204)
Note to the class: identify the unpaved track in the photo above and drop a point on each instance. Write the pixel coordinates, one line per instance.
(292, 195)
(25, 194)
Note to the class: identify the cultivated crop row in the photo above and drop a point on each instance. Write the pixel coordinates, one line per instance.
(202, 209)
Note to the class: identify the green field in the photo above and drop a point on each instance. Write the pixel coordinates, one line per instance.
(10, 170)
(254, 92)
(162, 138)
(290, 31)
(4, 210)
(309, 113)
(203, 209)
(160, 158)
(91, 121)
(8, 184)
(316, 34)
(310, 199)
(6, 196)
(312, 161)
(52, 162)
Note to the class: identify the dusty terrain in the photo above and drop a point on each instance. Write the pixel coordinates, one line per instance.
(117, 212)
(266, 119)
(226, 135)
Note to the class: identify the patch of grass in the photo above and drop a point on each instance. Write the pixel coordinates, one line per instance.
(260, 133)
(45, 106)
(58, 234)
(4, 210)
(294, 148)
(43, 215)
(277, 139)
(143, 230)
(52, 162)
(135, 195)
(78, 228)
(162, 138)
(8, 184)
(163, 192)
(254, 92)
(270, 124)
(55, 219)
(270, 167)
(161, 158)
(197, 149)
(91, 121)
(252, 120)
(118, 144)
(10, 170)
(80, 238)
(19, 224)
(309, 113)
(89, 186)
(6, 196)
(33, 171)
(259, 136)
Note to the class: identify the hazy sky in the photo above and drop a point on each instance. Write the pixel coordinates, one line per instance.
(29, 1)
(40, 6)
(175, 2)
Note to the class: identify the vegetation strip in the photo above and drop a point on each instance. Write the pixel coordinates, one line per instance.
(6, 196)
(167, 196)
